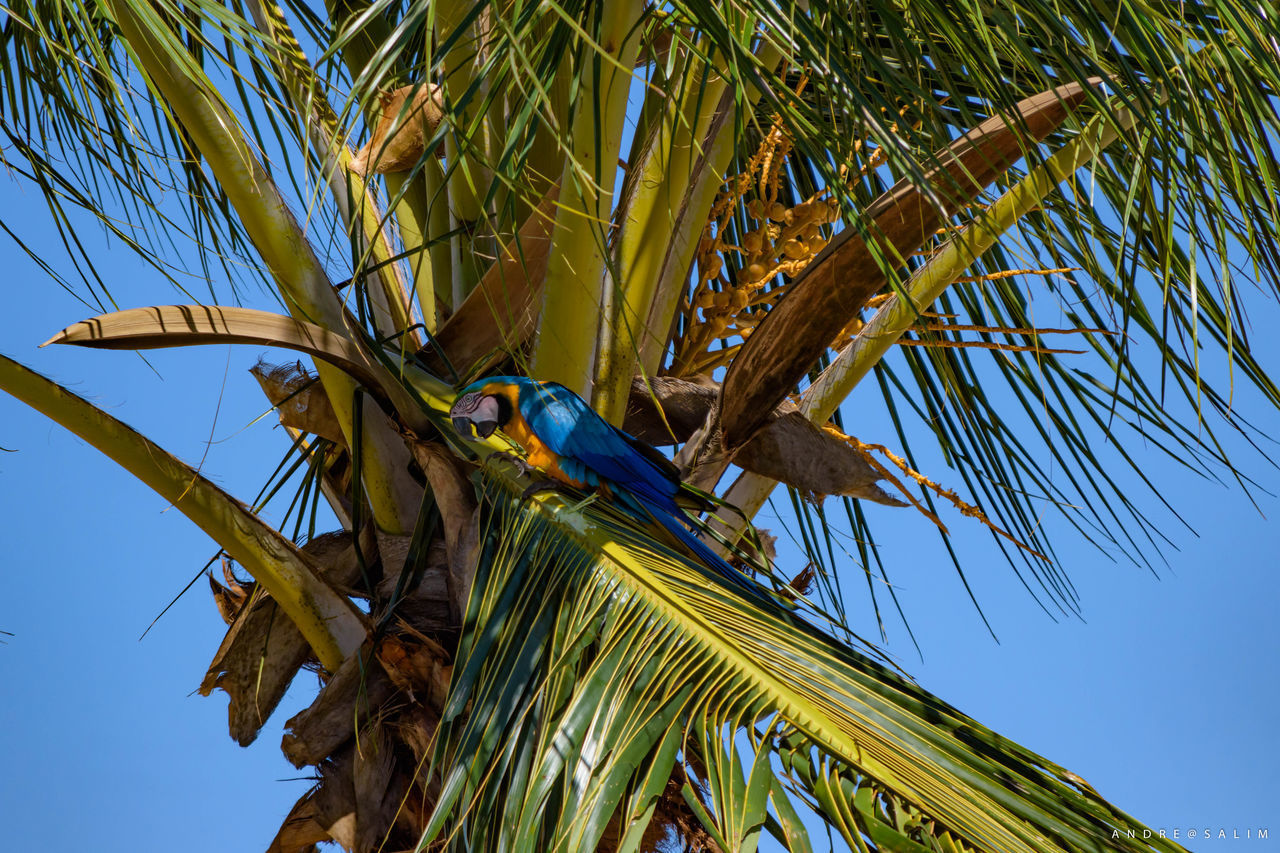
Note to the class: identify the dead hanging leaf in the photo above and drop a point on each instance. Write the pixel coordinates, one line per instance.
(426, 603)
(753, 556)
(377, 788)
(335, 798)
(685, 403)
(408, 118)
(417, 726)
(358, 796)
(792, 450)
(255, 664)
(463, 564)
(231, 597)
(456, 499)
(802, 583)
(832, 289)
(355, 692)
(502, 312)
(301, 830)
(303, 407)
(263, 650)
(418, 666)
(789, 448)
(299, 399)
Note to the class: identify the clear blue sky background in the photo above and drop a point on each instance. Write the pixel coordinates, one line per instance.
(1164, 699)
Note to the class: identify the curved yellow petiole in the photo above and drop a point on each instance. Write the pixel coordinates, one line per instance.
(328, 621)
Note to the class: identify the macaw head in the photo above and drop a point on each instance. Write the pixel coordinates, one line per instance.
(479, 408)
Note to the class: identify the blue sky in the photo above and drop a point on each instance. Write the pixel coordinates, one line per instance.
(1162, 697)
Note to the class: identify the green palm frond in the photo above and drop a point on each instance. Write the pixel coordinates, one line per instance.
(1203, 79)
(593, 660)
(85, 131)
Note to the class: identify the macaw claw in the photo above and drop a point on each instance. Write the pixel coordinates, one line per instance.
(525, 468)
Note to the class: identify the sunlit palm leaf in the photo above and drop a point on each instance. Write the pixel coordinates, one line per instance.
(1114, 229)
(588, 643)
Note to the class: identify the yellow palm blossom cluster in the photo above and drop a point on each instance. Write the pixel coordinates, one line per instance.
(779, 240)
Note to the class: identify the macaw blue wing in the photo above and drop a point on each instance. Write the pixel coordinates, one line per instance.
(592, 451)
(590, 447)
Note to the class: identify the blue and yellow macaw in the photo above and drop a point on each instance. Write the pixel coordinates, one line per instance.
(565, 439)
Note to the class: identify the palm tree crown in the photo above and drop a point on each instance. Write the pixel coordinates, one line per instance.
(712, 222)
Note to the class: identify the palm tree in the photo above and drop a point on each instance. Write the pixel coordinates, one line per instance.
(713, 221)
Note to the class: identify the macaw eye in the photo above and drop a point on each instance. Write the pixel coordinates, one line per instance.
(464, 405)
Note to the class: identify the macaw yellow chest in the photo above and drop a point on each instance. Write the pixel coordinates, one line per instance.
(537, 453)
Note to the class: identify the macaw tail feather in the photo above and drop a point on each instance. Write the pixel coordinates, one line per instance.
(691, 498)
(709, 558)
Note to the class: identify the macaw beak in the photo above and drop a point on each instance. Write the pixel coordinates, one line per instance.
(462, 425)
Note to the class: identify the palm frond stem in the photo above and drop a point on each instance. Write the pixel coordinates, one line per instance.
(328, 620)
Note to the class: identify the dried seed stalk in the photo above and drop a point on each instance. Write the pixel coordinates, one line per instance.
(948, 495)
